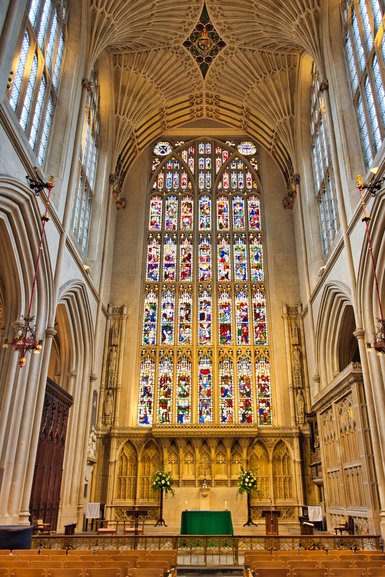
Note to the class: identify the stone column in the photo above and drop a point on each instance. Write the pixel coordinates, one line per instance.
(289, 367)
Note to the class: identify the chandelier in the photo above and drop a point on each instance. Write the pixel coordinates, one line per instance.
(378, 343)
(25, 339)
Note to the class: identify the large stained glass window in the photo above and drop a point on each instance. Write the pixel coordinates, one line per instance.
(205, 354)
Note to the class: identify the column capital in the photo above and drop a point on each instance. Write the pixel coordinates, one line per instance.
(359, 333)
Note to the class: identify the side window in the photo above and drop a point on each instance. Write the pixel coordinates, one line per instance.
(365, 52)
(88, 159)
(322, 168)
(36, 74)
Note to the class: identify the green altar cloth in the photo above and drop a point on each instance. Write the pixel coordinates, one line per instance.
(206, 523)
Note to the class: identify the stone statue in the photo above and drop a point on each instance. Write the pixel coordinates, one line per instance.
(108, 407)
(300, 408)
(297, 367)
(92, 443)
(112, 358)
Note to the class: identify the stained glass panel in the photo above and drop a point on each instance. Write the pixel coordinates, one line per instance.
(169, 258)
(238, 213)
(146, 389)
(204, 212)
(167, 318)
(240, 258)
(168, 180)
(191, 158)
(162, 148)
(262, 375)
(226, 389)
(204, 258)
(156, 205)
(259, 316)
(183, 390)
(242, 317)
(186, 259)
(150, 318)
(256, 259)
(247, 148)
(245, 389)
(184, 181)
(204, 318)
(165, 381)
(224, 318)
(205, 400)
(226, 180)
(223, 220)
(186, 217)
(185, 318)
(171, 213)
(153, 259)
(254, 213)
(224, 268)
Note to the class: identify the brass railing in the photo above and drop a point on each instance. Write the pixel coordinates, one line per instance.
(207, 550)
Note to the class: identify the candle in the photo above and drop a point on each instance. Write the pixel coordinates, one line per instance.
(186, 503)
(225, 505)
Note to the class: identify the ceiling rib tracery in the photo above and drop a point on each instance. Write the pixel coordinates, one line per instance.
(249, 85)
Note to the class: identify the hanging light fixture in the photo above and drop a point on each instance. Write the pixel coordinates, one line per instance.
(25, 339)
(378, 343)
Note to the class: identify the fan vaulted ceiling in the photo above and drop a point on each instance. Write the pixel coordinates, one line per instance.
(250, 85)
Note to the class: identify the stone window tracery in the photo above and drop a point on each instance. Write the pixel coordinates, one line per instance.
(127, 473)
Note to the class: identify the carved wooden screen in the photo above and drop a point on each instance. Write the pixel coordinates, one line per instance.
(45, 495)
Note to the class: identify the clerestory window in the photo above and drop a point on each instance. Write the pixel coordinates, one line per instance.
(87, 165)
(322, 167)
(34, 89)
(365, 52)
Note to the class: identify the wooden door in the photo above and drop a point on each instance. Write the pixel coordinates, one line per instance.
(45, 495)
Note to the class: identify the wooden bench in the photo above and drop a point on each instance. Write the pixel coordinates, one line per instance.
(112, 530)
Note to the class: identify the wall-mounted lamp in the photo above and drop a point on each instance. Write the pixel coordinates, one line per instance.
(372, 187)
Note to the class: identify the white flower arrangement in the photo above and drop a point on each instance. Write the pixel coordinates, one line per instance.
(247, 481)
(163, 482)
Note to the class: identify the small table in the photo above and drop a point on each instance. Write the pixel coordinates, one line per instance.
(206, 523)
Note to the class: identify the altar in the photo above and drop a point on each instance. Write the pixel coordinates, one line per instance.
(206, 523)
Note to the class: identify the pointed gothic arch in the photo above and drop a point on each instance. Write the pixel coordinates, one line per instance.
(127, 473)
(259, 461)
(282, 471)
(150, 463)
(334, 318)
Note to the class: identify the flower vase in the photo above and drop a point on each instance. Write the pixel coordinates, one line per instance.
(249, 519)
(160, 520)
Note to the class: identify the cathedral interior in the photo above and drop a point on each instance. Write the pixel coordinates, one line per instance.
(191, 242)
